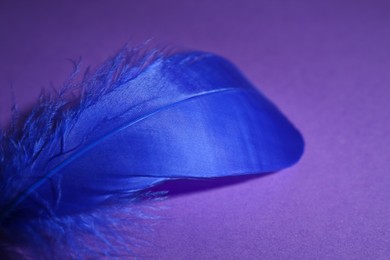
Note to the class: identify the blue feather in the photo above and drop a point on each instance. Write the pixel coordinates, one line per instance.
(143, 118)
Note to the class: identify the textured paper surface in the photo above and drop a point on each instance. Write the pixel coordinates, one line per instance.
(325, 64)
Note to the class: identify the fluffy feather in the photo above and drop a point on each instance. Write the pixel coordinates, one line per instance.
(31, 226)
(81, 156)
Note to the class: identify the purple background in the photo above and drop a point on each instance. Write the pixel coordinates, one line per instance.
(326, 64)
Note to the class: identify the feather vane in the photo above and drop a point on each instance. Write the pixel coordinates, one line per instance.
(142, 118)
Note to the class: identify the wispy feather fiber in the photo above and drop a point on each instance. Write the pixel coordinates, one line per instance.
(34, 141)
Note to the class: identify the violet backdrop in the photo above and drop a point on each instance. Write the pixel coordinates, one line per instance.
(325, 64)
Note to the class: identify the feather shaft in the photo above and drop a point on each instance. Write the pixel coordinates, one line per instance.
(82, 151)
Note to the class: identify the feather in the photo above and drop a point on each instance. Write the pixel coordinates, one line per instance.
(142, 118)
